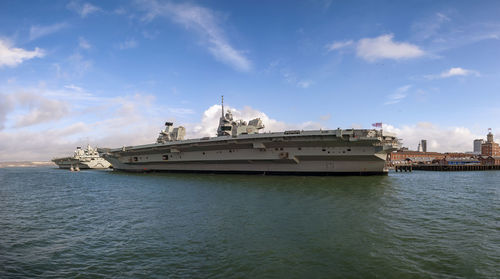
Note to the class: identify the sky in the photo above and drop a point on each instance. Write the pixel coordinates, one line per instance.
(110, 73)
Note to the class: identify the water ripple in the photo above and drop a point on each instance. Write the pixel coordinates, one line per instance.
(58, 224)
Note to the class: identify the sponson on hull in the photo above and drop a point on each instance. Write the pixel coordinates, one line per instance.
(240, 148)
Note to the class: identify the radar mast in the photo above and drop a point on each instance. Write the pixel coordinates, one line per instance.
(222, 97)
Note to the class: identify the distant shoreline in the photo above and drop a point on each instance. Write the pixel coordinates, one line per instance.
(26, 164)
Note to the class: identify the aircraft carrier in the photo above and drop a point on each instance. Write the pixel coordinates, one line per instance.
(82, 159)
(240, 148)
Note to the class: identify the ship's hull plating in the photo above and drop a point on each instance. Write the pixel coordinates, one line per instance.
(313, 155)
(305, 168)
(67, 163)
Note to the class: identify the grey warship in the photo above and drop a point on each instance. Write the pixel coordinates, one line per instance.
(240, 148)
(87, 158)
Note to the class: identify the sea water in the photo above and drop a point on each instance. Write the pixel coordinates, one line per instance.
(92, 224)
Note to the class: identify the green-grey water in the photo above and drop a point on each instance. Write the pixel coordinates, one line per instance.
(93, 224)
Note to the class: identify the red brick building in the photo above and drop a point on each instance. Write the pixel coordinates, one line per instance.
(402, 156)
(490, 148)
(489, 160)
(458, 155)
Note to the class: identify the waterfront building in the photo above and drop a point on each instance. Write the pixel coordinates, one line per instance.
(449, 158)
(460, 161)
(477, 145)
(405, 156)
(489, 136)
(423, 144)
(490, 160)
(490, 147)
(458, 155)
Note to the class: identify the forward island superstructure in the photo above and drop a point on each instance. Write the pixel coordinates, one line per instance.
(87, 158)
(240, 148)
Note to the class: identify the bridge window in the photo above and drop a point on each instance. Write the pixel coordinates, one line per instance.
(165, 157)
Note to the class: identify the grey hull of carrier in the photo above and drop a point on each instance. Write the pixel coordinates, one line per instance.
(239, 148)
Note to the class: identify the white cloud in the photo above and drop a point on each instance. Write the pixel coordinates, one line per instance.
(84, 9)
(127, 121)
(398, 95)
(37, 31)
(429, 27)
(325, 117)
(457, 71)
(41, 111)
(73, 87)
(441, 32)
(82, 43)
(180, 111)
(205, 22)
(6, 106)
(338, 45)
(383, 47)
(149, 34)
(131, 43)
(442, 17)
(80, 117)
(291, 78)
(79, 65)
(11, 56)
(304, 83)
(29, 145)
(31, 109)
(439, 139)
(73, 67)
(88, 9)
(120, 11)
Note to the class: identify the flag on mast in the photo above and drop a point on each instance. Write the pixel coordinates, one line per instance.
(377, 125)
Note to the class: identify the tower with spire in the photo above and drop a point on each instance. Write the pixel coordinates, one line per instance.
(490, 147)
(489, 137)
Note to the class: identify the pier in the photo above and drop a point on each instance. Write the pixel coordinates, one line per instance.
(437, 167)
(403, 168)
(456, 167)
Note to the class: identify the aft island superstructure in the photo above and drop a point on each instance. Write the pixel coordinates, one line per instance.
(240, 148)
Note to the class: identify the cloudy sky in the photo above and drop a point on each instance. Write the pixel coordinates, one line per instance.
(109, 73)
